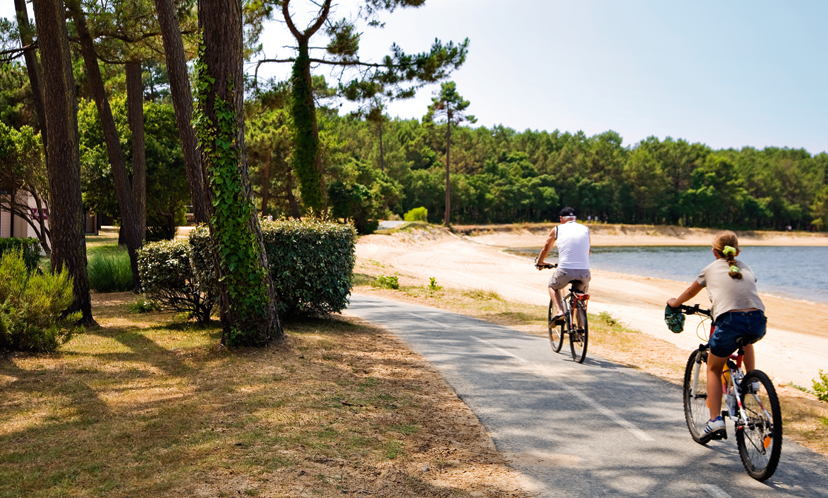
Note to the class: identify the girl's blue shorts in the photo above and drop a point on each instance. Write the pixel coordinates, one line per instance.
(734, 324)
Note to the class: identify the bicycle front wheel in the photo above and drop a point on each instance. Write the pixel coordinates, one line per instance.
(579, 332)
(556, 332)
(760, 440)
(696, 411)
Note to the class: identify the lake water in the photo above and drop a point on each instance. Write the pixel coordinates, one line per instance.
(792, 272)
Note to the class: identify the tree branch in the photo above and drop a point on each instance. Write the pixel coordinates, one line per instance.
(14, 53)
(323, 16)
(292, 27)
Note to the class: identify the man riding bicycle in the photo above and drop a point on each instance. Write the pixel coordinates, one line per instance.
(574, 247)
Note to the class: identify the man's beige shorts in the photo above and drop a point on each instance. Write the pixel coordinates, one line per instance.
(563, 276)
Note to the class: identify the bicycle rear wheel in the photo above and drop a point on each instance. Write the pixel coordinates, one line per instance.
(696, 412)
(760, 440)
(556, 332)
(579, 335)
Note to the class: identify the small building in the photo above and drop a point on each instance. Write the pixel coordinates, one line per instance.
(12, 225)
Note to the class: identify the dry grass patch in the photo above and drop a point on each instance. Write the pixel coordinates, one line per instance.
(151, 406)
(805, 417)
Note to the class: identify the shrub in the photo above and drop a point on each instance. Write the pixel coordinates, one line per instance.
(388, 282)
(29, 249)
(32, 306)
(168, 279)
(311, 263)
(417, 214)
(110, 272)
(821, 387)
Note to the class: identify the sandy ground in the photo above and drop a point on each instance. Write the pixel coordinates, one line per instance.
(794, 350)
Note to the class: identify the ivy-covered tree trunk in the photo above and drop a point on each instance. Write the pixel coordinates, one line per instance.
(63, 154)
(182, 99)
(306, 160)
(135, 116)
(246, 296)
(123, 189)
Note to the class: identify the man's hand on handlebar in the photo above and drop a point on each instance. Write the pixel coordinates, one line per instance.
(542, 266)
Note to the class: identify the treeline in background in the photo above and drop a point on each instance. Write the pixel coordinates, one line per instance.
(500, 175)
(374, 167)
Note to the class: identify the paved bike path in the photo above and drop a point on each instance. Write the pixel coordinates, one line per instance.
(595, 429)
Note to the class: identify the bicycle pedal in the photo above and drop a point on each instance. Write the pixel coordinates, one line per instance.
(714, 436)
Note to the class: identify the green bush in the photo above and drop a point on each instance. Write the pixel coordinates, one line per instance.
(110, 272)
(821, 387)
(388, 282)
(29, 248)
(32, 306)
(168, 279)
(417, 214)
(311, 263)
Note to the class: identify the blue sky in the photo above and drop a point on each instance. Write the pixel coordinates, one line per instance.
(728, 74)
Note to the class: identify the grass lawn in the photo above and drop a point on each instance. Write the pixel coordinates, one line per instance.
(151, 405)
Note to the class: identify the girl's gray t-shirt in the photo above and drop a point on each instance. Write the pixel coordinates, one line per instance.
(728, 293)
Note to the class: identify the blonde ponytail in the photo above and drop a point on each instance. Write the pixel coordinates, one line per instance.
(727, 245)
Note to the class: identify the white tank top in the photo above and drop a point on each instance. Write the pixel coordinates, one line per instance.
(573, 246)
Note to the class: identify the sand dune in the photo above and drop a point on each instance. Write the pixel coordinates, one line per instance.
(794, 350)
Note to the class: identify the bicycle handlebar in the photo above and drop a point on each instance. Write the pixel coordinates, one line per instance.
(545, 265)
(694, 310)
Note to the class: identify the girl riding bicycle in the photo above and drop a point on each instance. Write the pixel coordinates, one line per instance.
(737, 311)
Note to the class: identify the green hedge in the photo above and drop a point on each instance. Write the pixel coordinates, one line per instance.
(168, 279)
(311, 263)
(30, 249)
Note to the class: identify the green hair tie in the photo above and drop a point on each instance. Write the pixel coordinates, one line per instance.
(729, 250)
(734, 269)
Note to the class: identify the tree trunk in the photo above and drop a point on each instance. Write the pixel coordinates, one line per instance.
(63, 155)
(382, 154)
(292, 202)
(182, 99)
(126, 204)
(135, 116)
(306, 132)
(306, 158)
(448, 177)
(32, 66)
(246, 295)
(266, 184)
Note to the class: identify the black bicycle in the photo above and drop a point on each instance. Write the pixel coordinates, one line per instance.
(751, 402)
(575, 320)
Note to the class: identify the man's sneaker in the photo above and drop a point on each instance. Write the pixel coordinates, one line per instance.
(714, 426)
(558, 320)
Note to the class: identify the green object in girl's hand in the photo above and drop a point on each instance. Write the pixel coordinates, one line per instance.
(674, 319)
(729, 250)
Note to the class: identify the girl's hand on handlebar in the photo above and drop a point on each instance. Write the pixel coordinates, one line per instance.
(673, 303)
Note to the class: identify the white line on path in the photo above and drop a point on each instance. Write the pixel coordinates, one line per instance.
(714, 491)
(635, 431)
(429, 319)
